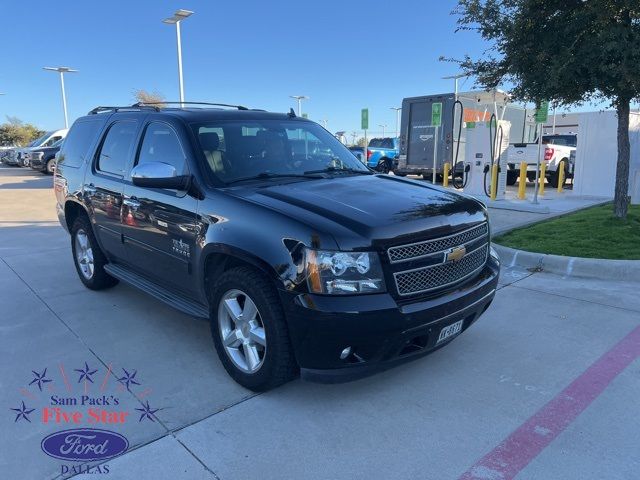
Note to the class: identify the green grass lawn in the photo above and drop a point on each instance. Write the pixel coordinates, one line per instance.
(593, 233)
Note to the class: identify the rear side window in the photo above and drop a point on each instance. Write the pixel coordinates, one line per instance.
(77, 143)
(116, 147)
(161, 144)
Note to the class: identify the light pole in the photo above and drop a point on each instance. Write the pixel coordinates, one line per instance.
(299, 98)
(397, 109)
(62, 71)
(383, 127)
(176, 19)
(324, 123)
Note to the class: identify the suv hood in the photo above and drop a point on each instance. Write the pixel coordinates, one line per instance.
(365, 210)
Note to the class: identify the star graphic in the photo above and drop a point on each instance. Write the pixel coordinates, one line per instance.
(23, 412)
(129, 378)
(147, 411)
(40, 378)
(85, 374)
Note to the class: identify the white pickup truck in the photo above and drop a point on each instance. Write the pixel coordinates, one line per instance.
(555, 148)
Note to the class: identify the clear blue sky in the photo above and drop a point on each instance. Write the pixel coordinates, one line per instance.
(345, 55)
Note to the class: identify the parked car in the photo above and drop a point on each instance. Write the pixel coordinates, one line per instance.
(5, 153)
(555, 148)
(46, 140)
(382, 154)
(215, 213)
(43, 159)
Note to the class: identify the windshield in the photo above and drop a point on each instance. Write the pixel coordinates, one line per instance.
(237, 150)
(40, 141)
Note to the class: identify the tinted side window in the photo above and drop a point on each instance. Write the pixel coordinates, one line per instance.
(116, 147)
(77, 143)
(161, 144)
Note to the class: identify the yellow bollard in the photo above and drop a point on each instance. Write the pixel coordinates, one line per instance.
(560, 176)
(445, 175)
(522, 182)
(541, 178)
(494, 181)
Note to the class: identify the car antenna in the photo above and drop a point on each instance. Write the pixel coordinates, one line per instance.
(292, 113)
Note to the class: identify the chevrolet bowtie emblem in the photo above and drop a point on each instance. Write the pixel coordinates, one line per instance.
(455, 254)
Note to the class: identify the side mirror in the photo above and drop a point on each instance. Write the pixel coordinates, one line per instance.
(159, 175)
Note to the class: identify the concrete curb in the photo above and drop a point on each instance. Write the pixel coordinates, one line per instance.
(625, 270)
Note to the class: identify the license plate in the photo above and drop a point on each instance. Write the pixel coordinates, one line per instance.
(450, 331)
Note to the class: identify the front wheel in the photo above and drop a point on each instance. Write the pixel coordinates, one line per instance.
(51, 166)
(249, 330)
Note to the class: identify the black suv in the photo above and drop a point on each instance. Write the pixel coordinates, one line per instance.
(43, 159)
(302, 259)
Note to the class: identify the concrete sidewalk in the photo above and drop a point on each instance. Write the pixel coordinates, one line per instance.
(435, 418)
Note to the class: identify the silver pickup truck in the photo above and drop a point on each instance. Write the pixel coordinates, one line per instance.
(555, 148)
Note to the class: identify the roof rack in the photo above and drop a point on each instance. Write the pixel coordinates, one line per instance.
(143, 104)
(101, 109)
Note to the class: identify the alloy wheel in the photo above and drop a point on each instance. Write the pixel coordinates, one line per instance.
(242, 331)
(84, 254)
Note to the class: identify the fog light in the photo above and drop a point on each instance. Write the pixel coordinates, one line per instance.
(345, 353)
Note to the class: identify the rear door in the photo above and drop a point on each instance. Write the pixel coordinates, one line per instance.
(104, 187)
(159, 225)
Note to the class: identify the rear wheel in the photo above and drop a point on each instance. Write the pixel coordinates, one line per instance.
(249, 330)
(88, 258)
(554, 178)
(384, 166)
(512, 177)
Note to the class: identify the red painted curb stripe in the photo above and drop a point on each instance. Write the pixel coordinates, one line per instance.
(506, 460)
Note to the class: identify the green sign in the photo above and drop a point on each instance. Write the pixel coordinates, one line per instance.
(436, 114)
(470, 124)
(365, 119)
(542, 111)
(305, 115)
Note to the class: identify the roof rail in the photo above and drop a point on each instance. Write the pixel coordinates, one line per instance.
(142, 104)
(100, 109)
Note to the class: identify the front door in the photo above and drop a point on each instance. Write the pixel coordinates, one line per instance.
(159, 225)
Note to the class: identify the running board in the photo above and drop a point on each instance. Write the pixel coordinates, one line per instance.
(176, 301)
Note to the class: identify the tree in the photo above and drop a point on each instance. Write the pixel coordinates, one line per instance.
(569, 51)
(143, 96)
(15, 132)
(361, 142)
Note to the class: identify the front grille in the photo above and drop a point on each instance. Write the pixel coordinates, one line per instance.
(425, 279)
(422, 249)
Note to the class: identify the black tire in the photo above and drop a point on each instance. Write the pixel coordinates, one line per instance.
(399, 174)
(512, 178)
(278, 363)
(384, 166)
(99, 278)
(554, 178)
(531, 176)
(49, 166)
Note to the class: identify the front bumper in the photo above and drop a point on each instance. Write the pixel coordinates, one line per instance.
(380, 331)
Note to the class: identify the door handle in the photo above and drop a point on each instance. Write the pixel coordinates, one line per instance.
(90, 189)
(131, 202)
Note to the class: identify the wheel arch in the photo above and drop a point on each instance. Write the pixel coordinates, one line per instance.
(217, 259)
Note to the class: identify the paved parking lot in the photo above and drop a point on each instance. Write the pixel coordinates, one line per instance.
(544, 386)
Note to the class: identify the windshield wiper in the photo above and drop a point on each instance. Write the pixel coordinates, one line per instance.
(337, 169)
(268, 175)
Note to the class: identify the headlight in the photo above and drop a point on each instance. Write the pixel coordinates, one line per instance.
(493, 253)
(343, 273)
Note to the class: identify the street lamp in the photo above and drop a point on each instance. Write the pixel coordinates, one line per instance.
(62, 71)
(397, 109)
(383, 127)
(176, 19)
(299, 98)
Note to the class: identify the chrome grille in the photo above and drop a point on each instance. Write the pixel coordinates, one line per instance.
(413, 251)
(433, 277)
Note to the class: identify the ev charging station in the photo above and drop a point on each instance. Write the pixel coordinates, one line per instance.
(480, 157)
